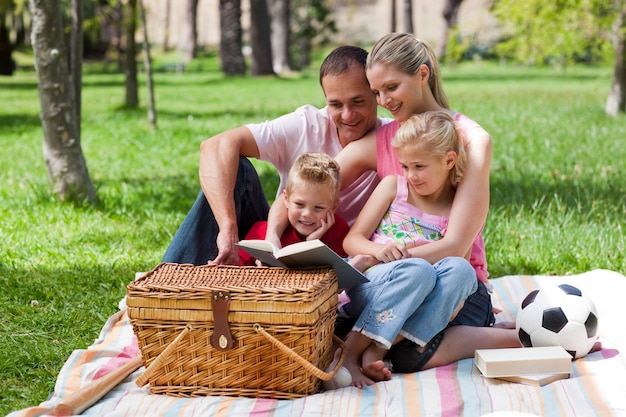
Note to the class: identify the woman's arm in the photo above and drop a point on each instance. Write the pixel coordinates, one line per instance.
(358, 242)
(470, 206)
(356, 158)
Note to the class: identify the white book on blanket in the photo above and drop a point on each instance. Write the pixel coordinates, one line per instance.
(538, 380)
(523, 361)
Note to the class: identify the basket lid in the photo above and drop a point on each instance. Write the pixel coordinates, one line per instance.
(259, 290)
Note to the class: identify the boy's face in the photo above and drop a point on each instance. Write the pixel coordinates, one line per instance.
(307, 204)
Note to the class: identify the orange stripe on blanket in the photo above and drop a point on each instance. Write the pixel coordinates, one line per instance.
(115, 332)
(224, 407)
(74, 378)
(412, 400)
(590, 385)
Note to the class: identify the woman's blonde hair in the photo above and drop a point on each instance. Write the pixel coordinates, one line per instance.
(407, 54)
(316, 168)
(435, 132)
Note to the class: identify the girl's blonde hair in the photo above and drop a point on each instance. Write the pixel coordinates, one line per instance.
(316, 168)
(435, 132)
(407, 54)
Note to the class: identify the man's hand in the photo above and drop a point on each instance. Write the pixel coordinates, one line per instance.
(392, 252)
(326, 224)
(228, 253)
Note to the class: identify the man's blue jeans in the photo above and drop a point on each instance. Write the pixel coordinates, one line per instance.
(195, 241)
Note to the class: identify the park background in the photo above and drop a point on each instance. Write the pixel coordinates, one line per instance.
(557, 196)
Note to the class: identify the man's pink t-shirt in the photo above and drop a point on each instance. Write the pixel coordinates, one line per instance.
(309, 129)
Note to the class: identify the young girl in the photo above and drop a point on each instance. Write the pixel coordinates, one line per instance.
(408, 297)
(311, 197)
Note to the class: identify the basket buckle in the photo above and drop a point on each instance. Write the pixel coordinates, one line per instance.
(222, 339)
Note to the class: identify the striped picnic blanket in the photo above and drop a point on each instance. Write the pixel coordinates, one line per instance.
(597, 386)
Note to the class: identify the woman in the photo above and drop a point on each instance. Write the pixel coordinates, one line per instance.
(404, 74)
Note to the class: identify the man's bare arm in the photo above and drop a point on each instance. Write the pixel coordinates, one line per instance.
(219, 162)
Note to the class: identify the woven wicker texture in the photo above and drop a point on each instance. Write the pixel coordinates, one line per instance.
(296, 307)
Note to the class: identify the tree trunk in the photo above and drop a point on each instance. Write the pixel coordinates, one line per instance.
(450, 16)
(231, 54)
(190, 37)
(260, 38)
(616, 101)
(66, 165)
(130, 63)
(408, 16)
(152, 118)
(7, 65)
(166, 27)
(279, 11)
(118, 24)
(76, 58)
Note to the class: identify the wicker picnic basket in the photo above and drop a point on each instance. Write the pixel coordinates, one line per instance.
(240, 331)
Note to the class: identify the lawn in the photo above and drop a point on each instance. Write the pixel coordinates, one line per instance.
(557, 200)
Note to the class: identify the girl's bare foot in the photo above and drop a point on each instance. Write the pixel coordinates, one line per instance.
(355, 345)
(359, 379)
(372, 363)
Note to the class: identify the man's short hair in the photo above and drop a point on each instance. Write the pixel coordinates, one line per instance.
(342, 59)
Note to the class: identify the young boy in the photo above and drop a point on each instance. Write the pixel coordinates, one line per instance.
(311, 198)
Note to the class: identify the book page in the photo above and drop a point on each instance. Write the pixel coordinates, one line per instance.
(258, 244)
(299, 247)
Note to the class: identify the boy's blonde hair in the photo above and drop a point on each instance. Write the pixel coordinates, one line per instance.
(407, 54)
(436, 132)
(316, 168)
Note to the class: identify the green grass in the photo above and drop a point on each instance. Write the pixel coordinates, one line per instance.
(557, 203)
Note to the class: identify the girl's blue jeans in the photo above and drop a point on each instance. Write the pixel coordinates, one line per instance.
(411, 298)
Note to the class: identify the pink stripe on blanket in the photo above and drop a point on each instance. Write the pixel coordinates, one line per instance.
(263, 407)
(127, 354)
(446, 379)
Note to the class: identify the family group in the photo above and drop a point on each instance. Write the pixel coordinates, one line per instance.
(403, 199)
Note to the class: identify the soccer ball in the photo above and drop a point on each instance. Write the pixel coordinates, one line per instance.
(558, 316)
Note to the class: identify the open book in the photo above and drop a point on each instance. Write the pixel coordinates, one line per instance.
(304, 254)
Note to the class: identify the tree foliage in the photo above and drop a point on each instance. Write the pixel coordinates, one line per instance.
(312, 25)
(555, 31)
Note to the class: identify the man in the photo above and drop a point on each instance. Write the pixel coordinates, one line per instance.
(230, 184)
